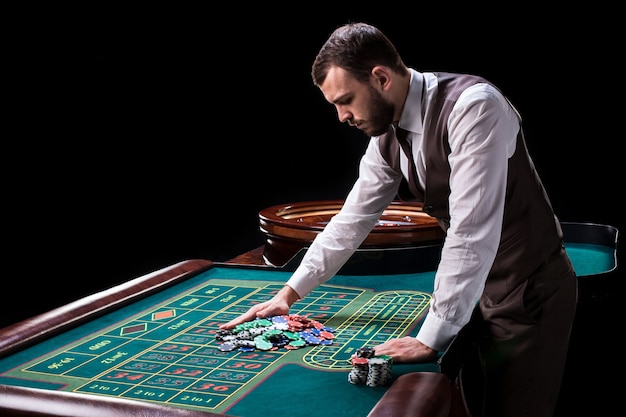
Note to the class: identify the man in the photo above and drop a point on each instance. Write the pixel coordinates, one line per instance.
(455, 143)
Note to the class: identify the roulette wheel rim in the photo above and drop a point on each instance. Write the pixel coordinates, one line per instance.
(290, 227)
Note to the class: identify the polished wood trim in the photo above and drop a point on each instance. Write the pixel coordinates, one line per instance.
(33, 402)
(253, 257)
(30, 331)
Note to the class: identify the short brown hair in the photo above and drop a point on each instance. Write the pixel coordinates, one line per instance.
(357, 48)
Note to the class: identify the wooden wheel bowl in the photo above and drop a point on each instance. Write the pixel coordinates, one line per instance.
(291, 227)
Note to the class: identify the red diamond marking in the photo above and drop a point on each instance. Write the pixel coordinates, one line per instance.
(164, 314)
(134, 329)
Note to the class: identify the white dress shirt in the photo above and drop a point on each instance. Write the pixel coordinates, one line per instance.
(482, 128)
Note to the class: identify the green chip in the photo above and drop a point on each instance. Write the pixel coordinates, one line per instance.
(297, 343)
(263, 344)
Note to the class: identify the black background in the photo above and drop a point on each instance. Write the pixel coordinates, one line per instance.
(147, 136)
(139, 137)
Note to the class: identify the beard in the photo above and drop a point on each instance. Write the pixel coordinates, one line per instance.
(380, 114)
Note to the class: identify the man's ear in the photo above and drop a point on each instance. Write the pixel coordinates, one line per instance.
(381, 77)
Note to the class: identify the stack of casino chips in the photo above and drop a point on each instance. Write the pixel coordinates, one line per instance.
(290, 331)
(359, 371)
(369, 369)
(379, 373)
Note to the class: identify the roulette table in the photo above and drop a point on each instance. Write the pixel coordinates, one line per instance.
(149, 346)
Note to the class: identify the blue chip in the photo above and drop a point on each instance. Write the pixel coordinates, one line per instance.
(246, 349)
(227, 347)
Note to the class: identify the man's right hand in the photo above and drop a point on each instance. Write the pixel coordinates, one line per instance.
(276, 306)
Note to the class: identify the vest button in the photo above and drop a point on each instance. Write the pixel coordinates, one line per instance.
(428, 209)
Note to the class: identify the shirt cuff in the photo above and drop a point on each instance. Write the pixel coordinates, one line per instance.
(302, 281)
(436, 333)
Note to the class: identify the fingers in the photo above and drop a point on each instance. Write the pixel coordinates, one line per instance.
(247, 316)
(231, 324)
(269, 308)
(406, 350)
(268, 311)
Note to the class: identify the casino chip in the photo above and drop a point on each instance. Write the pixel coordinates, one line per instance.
(290, 332)
(369, 369)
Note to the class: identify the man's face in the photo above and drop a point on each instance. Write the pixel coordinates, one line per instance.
(359, 104)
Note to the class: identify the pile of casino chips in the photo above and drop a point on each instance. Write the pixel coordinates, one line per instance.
(291, 331)
(369, 369)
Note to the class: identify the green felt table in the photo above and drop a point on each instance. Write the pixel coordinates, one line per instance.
(152, 340)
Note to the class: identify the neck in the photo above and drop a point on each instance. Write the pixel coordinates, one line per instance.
(400, 94)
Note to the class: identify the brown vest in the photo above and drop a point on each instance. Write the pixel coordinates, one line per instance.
(530, 232)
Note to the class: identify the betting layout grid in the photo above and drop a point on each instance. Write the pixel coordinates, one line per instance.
(170, 354)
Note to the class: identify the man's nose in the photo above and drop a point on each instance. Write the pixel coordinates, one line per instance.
(344, 116)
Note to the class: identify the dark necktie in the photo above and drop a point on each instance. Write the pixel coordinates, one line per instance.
(401, 135)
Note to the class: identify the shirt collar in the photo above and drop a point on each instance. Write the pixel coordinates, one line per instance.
(411, 117)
